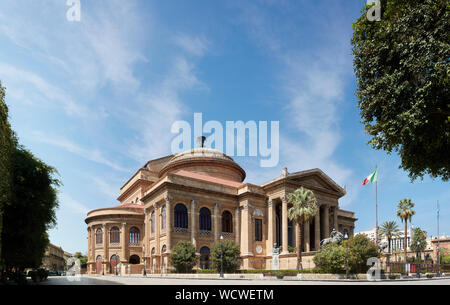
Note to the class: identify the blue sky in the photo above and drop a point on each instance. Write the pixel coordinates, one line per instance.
(97, 98)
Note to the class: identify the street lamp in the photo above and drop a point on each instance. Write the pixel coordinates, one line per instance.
(143, 255)
(221, 256)
(346, 255)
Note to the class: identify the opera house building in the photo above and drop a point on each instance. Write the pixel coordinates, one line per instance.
(200, 196)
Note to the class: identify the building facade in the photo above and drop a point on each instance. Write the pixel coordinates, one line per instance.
(199, 196)
(53, 258)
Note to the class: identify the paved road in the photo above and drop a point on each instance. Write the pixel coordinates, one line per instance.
(113, 280)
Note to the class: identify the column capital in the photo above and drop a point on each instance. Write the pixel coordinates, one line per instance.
(156, 205)
(247, 206)
(271, 202)
(168, 198)
(237, 211)
(285, 198)
(194, 202)
(217, 205)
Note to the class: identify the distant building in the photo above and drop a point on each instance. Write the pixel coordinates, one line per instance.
(397, 242)
(53, 258)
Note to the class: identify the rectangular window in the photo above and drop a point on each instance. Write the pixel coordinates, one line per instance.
(258, 229)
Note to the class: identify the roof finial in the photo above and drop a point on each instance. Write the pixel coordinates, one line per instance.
(201, 140)
(284, 172)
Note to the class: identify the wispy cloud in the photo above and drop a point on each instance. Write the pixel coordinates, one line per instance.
(90, 154)
(192, 44)
(68, 203)
(20, 82)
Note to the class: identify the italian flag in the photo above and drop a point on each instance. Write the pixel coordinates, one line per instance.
(371, 178)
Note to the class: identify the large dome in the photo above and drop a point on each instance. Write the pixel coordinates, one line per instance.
(206, 161)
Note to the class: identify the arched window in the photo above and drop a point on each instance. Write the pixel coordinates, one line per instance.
(114, 261)
(227, 222)
(205, 219)
(153, 251)
(114, 235)
(163, 249)
(152, 218)
(181, 216)
(134, 235)
(163, 217)
(134, 259)
(99, 236)
(204, 258)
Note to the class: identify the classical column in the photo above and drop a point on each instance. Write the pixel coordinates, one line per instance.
(284, 222)
(271, 222)
(157, 228)
(335, 218)
(306, 236)
(123, 242)
(237, 225)
(194, 222)
(317, 230)
(169, 229)
(246, 237)
(89, 244)
(217, 222)
(326, 223)
(105, 248)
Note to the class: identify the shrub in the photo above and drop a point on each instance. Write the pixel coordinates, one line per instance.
(183, 257)
(231, 256)
(393, 276)
(445, 259)
(331, 259)
(361, 248)
(430, 275)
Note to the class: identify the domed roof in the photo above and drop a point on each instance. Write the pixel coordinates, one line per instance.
(206, 161)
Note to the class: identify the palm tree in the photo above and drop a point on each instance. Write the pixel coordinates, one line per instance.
(405, 212)
(389, 229)
(303, 209)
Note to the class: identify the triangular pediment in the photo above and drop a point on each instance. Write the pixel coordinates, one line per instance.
(316, 179)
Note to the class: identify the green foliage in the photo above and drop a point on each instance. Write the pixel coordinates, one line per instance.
(445, 259)
(361, 248)
(83, 259)
(419, 240)
(31, 211)
(7, 144)
(402, 68)
(331, 259)
(388, 229)
(231, 256)
(183, 257)
(405, 209)
(304, 207)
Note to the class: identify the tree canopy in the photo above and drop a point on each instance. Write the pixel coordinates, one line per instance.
(7, 144)
(419, 240)
(183, 257)
(31, 211)
(231, 256)
(402, 68)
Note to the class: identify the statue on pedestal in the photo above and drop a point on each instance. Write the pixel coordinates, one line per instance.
(275, 257)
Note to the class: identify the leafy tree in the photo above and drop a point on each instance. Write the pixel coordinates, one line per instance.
(389, 229)
(231, 256)
(405, 212)
(304, 208)
(83, 259)
(183, 257)
(402, 68)
(331, 259)
(361, 248)
(419, 240)
(31, 211)
(7, 144)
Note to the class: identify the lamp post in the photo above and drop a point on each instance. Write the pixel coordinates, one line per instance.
(103, 266)
(221, 256)
(143, 256)
(346, 255)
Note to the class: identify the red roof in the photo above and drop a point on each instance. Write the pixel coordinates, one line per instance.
(209, 178)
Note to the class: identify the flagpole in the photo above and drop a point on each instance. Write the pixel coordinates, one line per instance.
(376, 205)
